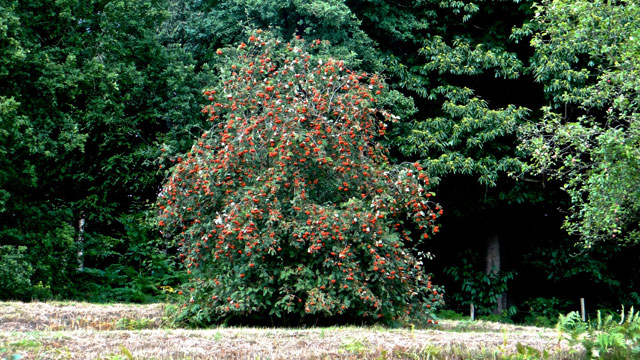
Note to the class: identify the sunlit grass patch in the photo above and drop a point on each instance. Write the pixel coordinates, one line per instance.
(68, 331)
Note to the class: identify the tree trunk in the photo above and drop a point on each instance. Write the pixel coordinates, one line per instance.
(493, 266)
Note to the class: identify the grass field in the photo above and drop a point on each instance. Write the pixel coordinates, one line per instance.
(119, 331)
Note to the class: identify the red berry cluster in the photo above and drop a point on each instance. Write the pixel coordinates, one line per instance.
(288, 204)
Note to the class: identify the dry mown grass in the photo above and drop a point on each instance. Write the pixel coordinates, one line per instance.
(18, 316)
(89, 331)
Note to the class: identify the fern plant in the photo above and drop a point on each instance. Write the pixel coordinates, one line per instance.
(617, 340)
(607, 338)
(570, 327)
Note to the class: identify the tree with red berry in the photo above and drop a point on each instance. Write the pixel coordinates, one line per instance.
(288, 207)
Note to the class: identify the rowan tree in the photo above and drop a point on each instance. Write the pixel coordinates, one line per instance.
(288, 206)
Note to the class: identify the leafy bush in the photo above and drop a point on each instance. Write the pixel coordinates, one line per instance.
(133, 267)
(451, 315)
(288, 206)
(477, 287)
(501, 318)
(49, 248)
(544, 311)
(15, 273)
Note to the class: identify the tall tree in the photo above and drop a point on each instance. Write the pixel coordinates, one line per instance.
(87, 92)
(471, 91)
(288, 206)
(587, 58)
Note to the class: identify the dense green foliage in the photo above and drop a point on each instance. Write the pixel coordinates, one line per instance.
(287, 206)
(472, 286)
(586, 56)
(86, 90)
(589, 137)
(461, 133)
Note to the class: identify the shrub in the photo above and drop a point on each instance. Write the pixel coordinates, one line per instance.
(15, 273)
(477, 287)
(288, 207)
(134, 267)
(451, 315)
(545, 311)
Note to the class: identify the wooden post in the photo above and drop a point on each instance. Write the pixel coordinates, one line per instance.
(472, 312)
(584, 318)
(80, 242)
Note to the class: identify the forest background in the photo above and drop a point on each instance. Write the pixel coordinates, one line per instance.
(524, 115)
